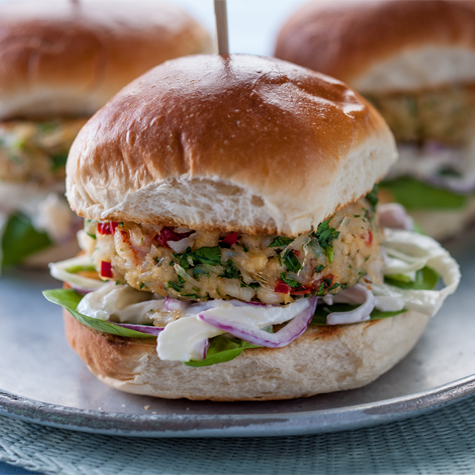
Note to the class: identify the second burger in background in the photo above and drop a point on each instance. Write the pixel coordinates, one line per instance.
(61, 61)
(415, 61)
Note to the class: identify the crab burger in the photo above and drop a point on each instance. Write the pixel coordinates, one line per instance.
(415, 61)
(231, 246)
(60, 61)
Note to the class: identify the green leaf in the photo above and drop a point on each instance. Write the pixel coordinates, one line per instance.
(222, 349)
(69, 299)
(289, 281)
(199, 272)
(252, 285)
(173, 285)
(281, 241)
(325, 236)
(426, 279)
(322, 311)
(372, 198)
(20, 240)
(231, 271)
(414, 194)
(291, 261)
(58, 161)
(207, 255)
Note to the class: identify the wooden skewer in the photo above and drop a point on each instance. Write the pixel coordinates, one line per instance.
(221, 26)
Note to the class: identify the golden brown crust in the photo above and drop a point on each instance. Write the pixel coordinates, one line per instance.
(69, 57)
(346, 38)
(224, 142)
(324, 359)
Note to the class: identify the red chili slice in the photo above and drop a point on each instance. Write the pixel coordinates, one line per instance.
(230, 239)
(167, 234)
(297, 253)
(106, 269)
(281, 287)
(107, 228)
(369, 239)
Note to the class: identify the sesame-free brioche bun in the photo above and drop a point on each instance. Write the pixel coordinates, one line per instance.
(68, 58)
(322, 360)
(384, 46)
(228, 142)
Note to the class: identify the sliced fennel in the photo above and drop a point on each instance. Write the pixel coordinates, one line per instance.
(65, 271)
(69, 299)
(395, 295)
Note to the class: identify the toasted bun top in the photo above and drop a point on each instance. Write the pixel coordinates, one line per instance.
(60, 57)
(384, 46)
(230, 142)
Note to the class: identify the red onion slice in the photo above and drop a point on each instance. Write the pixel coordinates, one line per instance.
(141, 328)
(251, 334)
(394, 216)
(358, 294)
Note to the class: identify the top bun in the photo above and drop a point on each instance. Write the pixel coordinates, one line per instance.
(384, 46)
(228, 142)
(68, 58)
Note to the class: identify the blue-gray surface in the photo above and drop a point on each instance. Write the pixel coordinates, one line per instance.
(6, 469)
(439, 443)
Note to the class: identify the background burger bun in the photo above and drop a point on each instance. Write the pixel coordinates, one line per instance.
(228, 142)
(68, 58)
(384, 46)
(322, 360)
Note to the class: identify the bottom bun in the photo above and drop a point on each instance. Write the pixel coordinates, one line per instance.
(322, 360)
(444, 224)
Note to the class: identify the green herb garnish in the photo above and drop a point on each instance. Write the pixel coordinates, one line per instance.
(281, 241)
(231, 271)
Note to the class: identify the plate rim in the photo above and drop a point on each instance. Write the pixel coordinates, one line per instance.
(236, 425)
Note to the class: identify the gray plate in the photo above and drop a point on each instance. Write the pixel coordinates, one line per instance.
(42, 380)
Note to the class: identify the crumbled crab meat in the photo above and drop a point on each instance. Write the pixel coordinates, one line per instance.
(270, 269)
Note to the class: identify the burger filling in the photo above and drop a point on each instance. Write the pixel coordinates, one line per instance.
(272, 269)
(434, 130)
(36, 152)
(33, 211)
(208, 296)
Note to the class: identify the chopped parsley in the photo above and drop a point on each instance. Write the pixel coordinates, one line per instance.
(325, 236)
(281, 241)
(244, 248)
(231, 271)
(291, 262)
(334, 286)
(207, 255)
(198, 272)
(319, 268)
(289, 281)
(142, 285)
(252, 285)
(173, 285)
